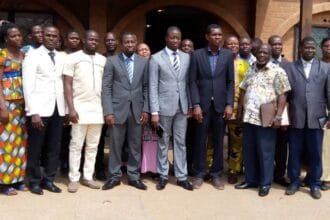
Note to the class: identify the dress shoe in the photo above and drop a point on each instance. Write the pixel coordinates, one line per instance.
(282, 181)
(292, 189)
(73, 186)
(91, 184)
(232, 177)
(263, 191)
(185, 184)
(137, 184)
(100, 175)
(51, 187)
(325, 185)
(217, 183)
(161, 183)
(245, 185)
(316, 193)
(197, 183)
(109, 184)
(36, 189)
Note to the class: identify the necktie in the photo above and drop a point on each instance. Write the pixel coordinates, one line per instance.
(129, 67)
(52, 56)
(176, 65)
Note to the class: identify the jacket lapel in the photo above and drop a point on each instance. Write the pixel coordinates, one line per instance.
(137, 69)
(123, 66)
(167, 61)
(314, 68)
(300, 68)
(206, 62)
(182, 64)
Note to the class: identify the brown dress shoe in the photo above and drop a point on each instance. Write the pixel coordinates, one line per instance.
(217, 183)
(232, 178)
(197, 183)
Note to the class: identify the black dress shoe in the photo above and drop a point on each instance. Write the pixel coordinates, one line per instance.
(137, 184)
(36, 189)
(50, 187)
(109, 184)
(282, 181)
(161, 184)
(292, 189)
(245, 185)
(263, 191)
(316, 193)
(185, 184)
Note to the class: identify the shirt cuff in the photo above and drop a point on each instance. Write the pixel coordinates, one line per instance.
(154, 113)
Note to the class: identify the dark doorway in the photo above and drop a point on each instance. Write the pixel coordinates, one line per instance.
(191, 21)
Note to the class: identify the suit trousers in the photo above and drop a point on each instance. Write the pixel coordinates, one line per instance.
(80, 132)
(308, 141)
(217, 123)
(176, 126)
(131, 131)
(281, 153)
(258, 154)
(49, 137)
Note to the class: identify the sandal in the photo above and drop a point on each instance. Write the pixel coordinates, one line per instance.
(21, 187)
(9, 191)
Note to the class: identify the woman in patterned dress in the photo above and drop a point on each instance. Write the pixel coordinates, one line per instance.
(13, 136)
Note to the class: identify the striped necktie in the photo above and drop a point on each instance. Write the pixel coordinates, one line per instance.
(176, 65)
(129, 67)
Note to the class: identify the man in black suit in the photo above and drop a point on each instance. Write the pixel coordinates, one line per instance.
(281, 149)
(309, 101)
(212, 95)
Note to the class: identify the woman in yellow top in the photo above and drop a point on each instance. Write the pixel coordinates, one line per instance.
(13, 135)
(235, 136)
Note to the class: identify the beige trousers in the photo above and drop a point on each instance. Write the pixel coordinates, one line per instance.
(326, 156)
(79, 133)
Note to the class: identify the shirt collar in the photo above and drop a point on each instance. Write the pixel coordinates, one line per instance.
(131, 57)
(209, 50)
(170, 51)
(278, 60)
(305, 62)
(268, 66)
(46, 50)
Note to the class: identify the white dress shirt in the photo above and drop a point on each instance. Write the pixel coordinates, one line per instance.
(307, 66)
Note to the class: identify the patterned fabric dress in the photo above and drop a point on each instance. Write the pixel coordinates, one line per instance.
(13, 136)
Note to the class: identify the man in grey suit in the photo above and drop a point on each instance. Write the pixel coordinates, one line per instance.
(125, 108)
(168, 72)
(309, 100)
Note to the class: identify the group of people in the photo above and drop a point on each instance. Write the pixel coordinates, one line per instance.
(56, 107)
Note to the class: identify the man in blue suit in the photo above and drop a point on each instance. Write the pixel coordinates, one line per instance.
(309, 100)
(212, 95)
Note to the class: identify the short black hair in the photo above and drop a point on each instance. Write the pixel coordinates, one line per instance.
(90, 31)
(171, 29)
(324, 40)
(126, 33)
(271, 38)
(305, 40)
(210, 27)
(70, 32)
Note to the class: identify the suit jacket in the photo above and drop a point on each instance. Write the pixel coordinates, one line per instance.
(168, 88)
(43, 83)
(204, 86)
(118, 94)
(308, 97)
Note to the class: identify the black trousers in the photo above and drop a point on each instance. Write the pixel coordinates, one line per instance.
(48, 138)
(281, 153)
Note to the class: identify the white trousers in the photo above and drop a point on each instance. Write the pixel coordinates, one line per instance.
(80, 132)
